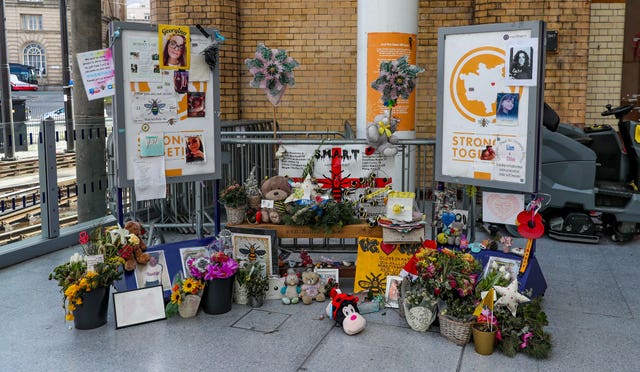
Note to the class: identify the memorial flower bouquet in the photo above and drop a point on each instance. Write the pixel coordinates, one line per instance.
(450, 276)
(180, 290)
(76, 278)
(218, 266)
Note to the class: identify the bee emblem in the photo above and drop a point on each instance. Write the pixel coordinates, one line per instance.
(374, 283)
(252, 252)
(154, 106)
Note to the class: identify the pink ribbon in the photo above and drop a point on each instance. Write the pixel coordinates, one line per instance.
(525, 338)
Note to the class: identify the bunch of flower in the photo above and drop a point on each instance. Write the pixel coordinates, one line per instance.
(218, 266)
(450, 276)
(180, 289)
(233, 196)
(75, 279)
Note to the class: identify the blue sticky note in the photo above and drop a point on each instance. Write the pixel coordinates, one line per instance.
(151, 145)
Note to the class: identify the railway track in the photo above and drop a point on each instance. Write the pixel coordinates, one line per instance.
(20, 203)
(23, 167)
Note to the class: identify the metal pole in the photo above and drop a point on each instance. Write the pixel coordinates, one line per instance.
(66, 77)
(7, 105)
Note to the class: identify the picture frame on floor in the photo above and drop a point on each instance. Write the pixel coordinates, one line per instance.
(138, 306)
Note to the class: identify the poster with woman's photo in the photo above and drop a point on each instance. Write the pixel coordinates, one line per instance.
(174, 42)
(195, 148)
(507, 108)
(196, 102)
(155, 272)
(181, 81)
(522, 67)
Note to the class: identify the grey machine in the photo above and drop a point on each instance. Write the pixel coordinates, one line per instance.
(591, 178)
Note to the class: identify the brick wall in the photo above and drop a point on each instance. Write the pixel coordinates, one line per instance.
(605, 61)
(322, 36)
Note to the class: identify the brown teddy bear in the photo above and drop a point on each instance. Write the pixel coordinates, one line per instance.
(312, 289)
(276, 188)
(138, 256)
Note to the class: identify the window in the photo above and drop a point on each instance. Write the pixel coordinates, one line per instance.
(31, 21)
(34, 56)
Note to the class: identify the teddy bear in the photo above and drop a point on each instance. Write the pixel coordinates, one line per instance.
(311, 288)
(380, 135)
(138, 256)
(291, 290)
(276, 188)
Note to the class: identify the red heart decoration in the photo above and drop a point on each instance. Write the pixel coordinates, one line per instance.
(493, 84)
(387, 248)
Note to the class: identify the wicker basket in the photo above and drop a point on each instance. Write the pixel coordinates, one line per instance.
(455, 330)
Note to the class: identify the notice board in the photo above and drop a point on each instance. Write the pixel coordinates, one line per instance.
(161, 110)
(490, 104)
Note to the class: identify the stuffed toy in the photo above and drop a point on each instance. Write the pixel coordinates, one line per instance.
(276, 188)
(304, 192)
(291, 290)
(138, 256)
(381, 137)
(344, 310)
(312, 289)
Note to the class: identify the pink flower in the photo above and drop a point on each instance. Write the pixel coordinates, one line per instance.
(83, 237)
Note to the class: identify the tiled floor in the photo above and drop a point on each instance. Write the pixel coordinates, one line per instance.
(592, 302)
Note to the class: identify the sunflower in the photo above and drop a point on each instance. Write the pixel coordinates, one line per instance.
(190, 285)
(176, 297)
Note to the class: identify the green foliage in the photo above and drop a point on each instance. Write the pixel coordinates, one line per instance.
(491, 279)
(529, 318)
(327, 215)
(257, 282)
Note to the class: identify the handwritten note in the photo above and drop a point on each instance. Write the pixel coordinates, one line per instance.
(151, 145)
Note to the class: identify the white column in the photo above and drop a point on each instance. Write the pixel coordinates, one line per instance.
(395, 17)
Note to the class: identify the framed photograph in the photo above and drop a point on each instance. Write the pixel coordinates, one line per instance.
(155, 272)
(256, 245)
(170, 257)
(191, 252)
(138, 306)
(326, 274)
(495, 263)
(392, 292)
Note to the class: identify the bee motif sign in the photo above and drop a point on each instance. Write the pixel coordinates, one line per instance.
(376, 261)
(155, 107)
(252, 248)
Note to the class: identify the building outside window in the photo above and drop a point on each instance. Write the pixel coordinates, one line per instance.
(34, 55)
(31, 21)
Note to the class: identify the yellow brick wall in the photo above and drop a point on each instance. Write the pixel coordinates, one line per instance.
(322, 36)
(605, 61)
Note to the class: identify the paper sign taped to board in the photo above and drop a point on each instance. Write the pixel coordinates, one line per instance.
(501, 208)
